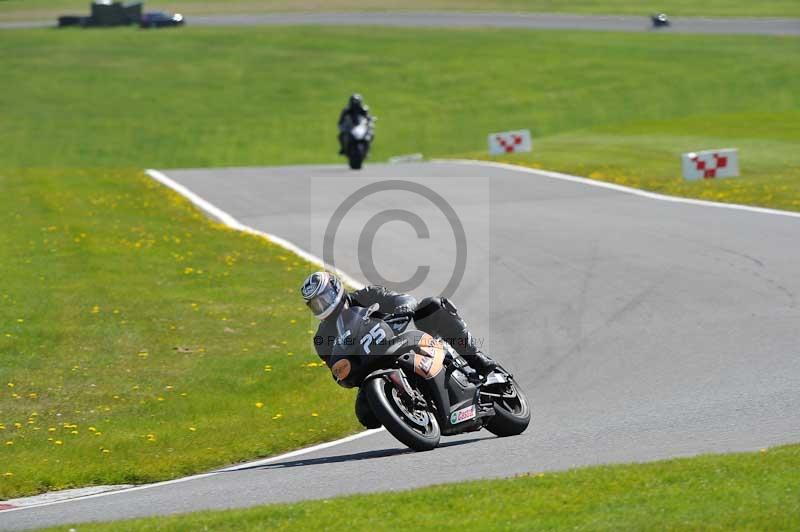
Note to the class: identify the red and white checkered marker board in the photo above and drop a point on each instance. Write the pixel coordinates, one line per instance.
(509, 142)
(710, 164)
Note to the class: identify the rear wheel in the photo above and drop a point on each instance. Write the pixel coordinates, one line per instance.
(414, 427)
(512, 411)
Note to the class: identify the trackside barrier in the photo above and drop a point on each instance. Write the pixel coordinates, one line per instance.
(710, 164)
(510, 142)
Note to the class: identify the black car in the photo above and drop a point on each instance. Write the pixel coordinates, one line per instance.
(159, 19)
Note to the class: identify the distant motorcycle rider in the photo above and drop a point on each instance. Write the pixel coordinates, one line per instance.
(350, 115)
(326, 297)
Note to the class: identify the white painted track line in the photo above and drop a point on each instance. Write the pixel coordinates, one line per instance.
(620, 188)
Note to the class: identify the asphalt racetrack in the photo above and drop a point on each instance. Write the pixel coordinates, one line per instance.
(543, 21)
(640, 328)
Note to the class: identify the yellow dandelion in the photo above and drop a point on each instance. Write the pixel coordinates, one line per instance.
(259, 405)
(151, 437)
(106, 451)
(159, 398)
(9, 442)
(277, 416)
(33, 395)
(51, 429)
(184, 394)
(314, 414)
(20, 320)
(8, 474)
(92, 429)
(2, 427)
(58, 442)
(10, 384)
(267, 368)
(95, 309)
(98, 433)
(292, 321)
(74, 432)
(193, 429)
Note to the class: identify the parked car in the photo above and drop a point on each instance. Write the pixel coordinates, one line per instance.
(114, 13)
(159, 19)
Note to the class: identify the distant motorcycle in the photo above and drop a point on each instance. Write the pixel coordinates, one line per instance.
(358, 139)
(660, 20)
(418, 386)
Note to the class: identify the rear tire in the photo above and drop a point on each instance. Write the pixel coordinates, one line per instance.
(512, 415)
(381, 399)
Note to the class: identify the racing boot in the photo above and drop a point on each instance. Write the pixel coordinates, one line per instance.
(483, 363)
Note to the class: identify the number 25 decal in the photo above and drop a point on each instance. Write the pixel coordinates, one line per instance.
(376, 334)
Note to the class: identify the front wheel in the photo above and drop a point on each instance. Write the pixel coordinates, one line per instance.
(512, 411)
(356, 155)
(416, 428)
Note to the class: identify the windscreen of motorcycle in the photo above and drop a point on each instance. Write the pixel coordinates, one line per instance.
(361, 341)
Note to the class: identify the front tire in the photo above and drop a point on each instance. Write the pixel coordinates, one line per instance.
(356, 156)
(512, 413)
(384, 400)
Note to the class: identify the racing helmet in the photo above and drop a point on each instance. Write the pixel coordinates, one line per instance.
(356, 101)
(323, 293)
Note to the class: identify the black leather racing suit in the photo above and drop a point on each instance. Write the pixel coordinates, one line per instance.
(433, 315)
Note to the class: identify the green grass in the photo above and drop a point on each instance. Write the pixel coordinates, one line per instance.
(611, 106)
(620, 107)
(23, 9)
(753, 491)
(129, 323)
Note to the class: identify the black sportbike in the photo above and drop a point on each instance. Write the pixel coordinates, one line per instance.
(358, 138)
(417, 386)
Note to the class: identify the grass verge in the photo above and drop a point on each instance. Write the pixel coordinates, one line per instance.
(756, 491)
(140, 341)
(201, 310)
(22, 10)
(620, 107)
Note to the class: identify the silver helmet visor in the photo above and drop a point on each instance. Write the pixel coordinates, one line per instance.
(323, 303)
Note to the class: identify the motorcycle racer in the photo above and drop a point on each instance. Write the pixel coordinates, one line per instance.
(326, 297)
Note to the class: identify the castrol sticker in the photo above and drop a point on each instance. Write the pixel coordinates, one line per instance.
(462, 415)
